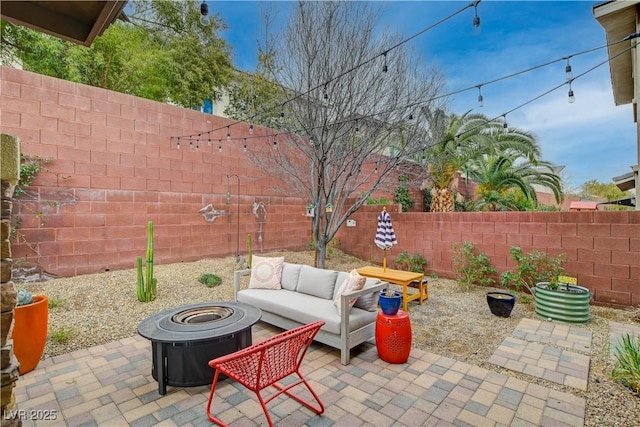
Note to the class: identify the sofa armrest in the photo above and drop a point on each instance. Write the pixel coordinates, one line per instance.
(237, 278)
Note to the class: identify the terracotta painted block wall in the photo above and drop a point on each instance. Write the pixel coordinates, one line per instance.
(604, 247)
(114, 167)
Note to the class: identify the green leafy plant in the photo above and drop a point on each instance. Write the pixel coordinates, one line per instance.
(57, 302)
(470, 267)
(30, 166)
(147, 284)
(333, 244)
(380, 201)
(627, 368)
(415, 262)
(210, 280)
(62, 334)
(403, 196)
(534, 267)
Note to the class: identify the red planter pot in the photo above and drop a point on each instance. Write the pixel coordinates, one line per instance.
(30, 325)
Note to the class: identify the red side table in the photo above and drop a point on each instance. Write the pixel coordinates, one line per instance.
(393, 337)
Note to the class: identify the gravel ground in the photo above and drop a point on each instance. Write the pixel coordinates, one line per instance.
(98, 308)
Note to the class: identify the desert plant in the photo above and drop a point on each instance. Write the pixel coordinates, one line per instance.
(24, 297)
(380, 201)
(210, 280)
(415, 262)
(470, 267)
(147, 284)
(627, 368)
(534, 267)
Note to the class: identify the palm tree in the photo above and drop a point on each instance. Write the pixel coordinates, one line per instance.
(467, 138)
(498, 175)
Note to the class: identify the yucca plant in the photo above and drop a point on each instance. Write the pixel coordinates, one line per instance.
(627, 369)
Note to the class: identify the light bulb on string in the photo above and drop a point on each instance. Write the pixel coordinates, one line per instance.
(197, 144)
(190, 144)
(219, 146)
(357, 127)
(376, 168)
(209, 142)
(571, 98)
(204, 12)
(476, 19)
(505, 126)
(251, 129)
(325, 95)
(410, 116)
(480, 98)
(384, 67)
(567, 71)
(178, 144)
(228, 134)
(275, 143)
(245, 145)
(282, 118)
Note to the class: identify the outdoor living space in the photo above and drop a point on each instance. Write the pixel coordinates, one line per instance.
(466, 367)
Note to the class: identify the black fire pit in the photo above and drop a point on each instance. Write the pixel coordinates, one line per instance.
(184, 339)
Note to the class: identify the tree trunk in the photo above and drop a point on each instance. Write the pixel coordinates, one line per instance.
(442, 200)
(321, 254)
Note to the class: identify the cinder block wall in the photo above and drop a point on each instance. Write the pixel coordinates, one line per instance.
(604, 247)
(114, 167)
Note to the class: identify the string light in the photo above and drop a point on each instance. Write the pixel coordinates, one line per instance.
(275, 142)
(505, 126)
(197, 144)
(209, 142)
(567, 71)
(245, 145)
(325, 95)
(357, 127)
(410, 116)
(480, 98)
(219, 146)
(282, 117)
(204, 11)
(476, 18)
(228, 134)
(384, 67)
(190, 144)
(251, 129)
(178, 144)
(571, 97)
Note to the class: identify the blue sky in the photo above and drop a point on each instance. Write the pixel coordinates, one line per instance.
(592, 137)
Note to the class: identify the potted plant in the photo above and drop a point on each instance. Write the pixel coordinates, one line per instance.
(557, 297)
(390, 301)
(30, 324)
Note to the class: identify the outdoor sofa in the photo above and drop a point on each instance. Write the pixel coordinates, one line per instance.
(306, 294)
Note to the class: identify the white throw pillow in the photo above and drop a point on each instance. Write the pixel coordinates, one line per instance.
(266, 273)
(354, 282)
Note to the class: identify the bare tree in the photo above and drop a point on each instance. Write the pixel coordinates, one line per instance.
(358, 104)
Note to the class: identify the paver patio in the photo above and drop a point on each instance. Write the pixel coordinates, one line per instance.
(111, 385)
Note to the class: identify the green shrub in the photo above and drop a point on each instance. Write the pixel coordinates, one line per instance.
(627, 368)
(380, 201)
(210, 280)
(403, 195)
(470, 267)
(57, 302)
(62, 335)
(534, 267)
(415, 262)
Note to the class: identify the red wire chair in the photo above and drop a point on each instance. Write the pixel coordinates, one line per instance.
(265, 363)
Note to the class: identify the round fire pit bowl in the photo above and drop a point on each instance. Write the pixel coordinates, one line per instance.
(184, 339)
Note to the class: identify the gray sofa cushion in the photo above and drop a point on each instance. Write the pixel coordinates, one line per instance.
(290, 276)
(317, 282)
(304, 308)
(369, 302)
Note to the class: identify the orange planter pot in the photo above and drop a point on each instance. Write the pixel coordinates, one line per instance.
(30, 325)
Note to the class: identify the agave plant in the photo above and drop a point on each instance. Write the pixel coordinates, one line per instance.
(627, 369)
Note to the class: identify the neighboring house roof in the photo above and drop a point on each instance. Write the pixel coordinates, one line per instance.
(618, 18)
(583, 206)
(76, 21)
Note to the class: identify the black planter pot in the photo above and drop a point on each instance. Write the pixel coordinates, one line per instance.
(501, 303)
